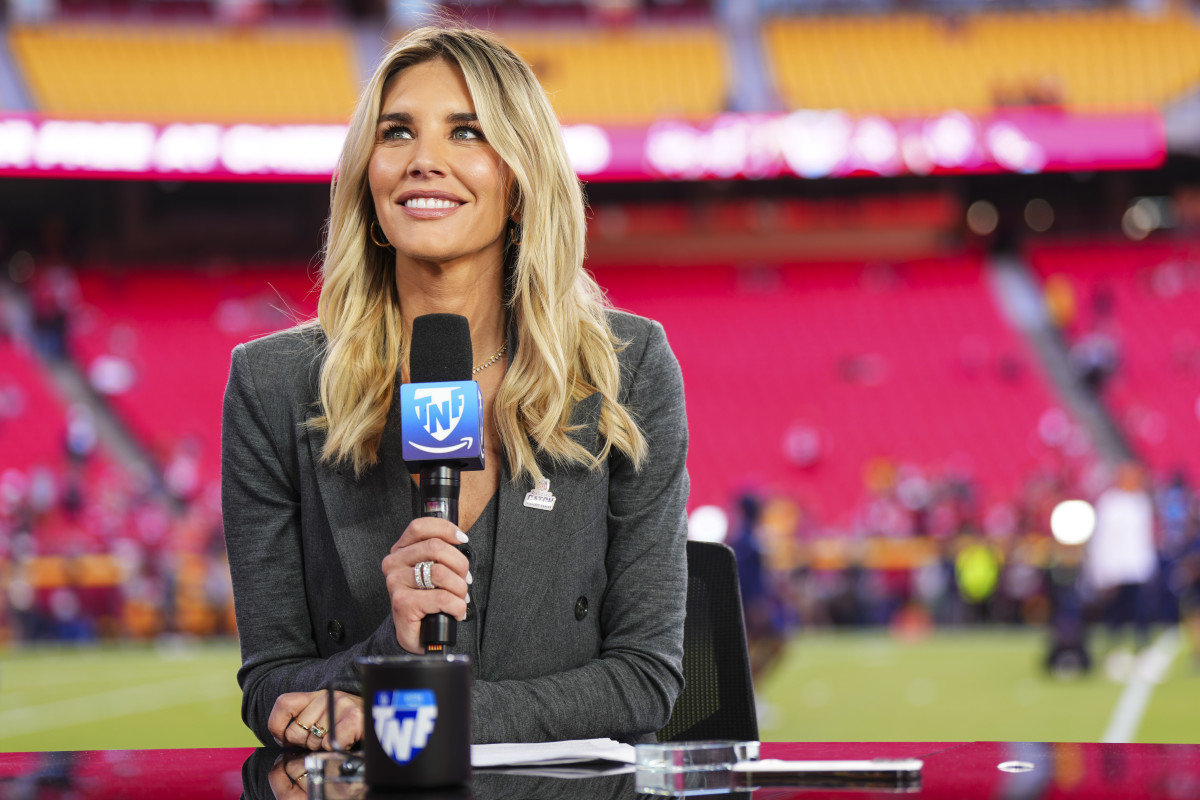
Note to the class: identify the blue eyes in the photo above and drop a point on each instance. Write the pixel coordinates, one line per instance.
(463, 133)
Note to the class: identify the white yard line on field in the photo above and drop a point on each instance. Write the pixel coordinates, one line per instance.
(113, 703)
(1148, 671)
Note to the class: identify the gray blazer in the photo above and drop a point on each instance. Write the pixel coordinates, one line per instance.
(584, 627)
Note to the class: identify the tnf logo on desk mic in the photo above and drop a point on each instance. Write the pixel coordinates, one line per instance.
(441, 421)
(404, 722)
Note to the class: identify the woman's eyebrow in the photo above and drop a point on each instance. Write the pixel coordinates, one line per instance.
(404, 118)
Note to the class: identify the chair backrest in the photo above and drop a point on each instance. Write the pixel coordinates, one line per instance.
(718, 697)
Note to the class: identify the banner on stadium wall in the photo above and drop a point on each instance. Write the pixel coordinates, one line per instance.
(805, 144)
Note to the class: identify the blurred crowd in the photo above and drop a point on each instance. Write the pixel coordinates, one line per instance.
(91, 546)
(108, 558)
(926, 553)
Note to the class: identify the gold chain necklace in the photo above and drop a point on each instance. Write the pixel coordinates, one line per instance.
(492, 360)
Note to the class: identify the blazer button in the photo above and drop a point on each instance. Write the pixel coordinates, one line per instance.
(581, 606)
(336, 630)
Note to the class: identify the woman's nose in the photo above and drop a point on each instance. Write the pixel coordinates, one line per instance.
(427, 158)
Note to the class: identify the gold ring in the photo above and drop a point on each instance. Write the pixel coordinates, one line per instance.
(317, 731)
(302, 725)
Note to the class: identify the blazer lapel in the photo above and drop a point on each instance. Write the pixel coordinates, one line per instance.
(367, 514)
(525, 546)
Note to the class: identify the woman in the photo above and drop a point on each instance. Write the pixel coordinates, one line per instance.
(455, 195)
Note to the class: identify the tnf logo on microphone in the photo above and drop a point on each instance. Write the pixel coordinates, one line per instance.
(404, 722)
(441, 421)
(439, 409)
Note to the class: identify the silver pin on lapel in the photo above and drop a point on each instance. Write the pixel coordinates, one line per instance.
(540, 496)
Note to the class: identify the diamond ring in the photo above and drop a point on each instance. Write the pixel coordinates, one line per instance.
(423, 572)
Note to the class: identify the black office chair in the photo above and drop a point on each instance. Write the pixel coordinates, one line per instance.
(718, 697)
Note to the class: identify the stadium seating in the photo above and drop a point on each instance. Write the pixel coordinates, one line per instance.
(305, 74)
(177, 327)
(183, 73)
(598, 75)
(32, 419)
(895, 64)
(909, 362)
(1152, 292)
(920, 63)
(894, 361)
(36, 471)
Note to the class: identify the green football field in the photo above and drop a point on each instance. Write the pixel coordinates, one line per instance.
(969, 686)
(827, 687)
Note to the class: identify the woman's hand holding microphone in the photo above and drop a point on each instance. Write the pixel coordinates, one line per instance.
(426, 574)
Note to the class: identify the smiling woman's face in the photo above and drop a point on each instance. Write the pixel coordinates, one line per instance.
(440, 190)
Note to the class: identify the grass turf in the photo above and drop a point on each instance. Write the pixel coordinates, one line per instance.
(121, 697)
(953, 686)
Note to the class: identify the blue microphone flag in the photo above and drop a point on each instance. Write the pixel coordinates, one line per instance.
(442, 422)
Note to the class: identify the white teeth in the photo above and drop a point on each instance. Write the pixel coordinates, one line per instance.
(429, 202)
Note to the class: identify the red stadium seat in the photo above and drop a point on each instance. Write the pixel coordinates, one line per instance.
(876, 359)
(1153, 292)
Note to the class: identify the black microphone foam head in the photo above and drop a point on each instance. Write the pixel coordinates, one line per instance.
(440, 349)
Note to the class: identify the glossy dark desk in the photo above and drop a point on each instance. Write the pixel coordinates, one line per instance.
(953, 771)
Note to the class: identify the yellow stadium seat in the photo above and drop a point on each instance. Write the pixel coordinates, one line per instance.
(912, 63)
(627, 75)
(188, 73)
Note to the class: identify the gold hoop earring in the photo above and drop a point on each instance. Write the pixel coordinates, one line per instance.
(385, 244)
(514, 234)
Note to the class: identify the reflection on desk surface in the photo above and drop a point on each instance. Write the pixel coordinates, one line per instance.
(270, 774)
(952, 771)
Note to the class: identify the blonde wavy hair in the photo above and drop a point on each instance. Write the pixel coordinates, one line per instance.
(565, 348)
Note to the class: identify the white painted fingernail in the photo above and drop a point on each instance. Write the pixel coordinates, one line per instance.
(470, 580)
(468, 598)
(462, 537)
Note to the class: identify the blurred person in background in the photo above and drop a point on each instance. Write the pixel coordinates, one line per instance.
(1176, 510)
(1189, 592)
(758, 602)
(1179, 514)
(1095, 358)
(454, 194)
(54, 294)
(1068, 654)
(1121, 558)
(977, 567)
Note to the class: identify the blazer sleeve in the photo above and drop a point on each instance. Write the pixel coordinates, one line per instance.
(260, 505)
(628, 690)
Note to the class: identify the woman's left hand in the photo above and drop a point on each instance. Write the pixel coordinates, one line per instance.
(300, 719)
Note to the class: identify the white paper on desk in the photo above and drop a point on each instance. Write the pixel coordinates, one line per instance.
(575, 751)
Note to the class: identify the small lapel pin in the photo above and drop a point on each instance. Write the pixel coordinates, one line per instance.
(540, 496)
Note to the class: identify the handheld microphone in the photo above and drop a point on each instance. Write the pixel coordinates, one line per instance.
(441, 424)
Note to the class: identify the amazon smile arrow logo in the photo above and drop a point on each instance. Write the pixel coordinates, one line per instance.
(466, 442)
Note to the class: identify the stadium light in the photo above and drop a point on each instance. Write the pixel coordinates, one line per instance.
(1073, 522)
(708, 524)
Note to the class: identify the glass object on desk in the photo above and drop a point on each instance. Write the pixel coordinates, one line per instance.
(679, 769)
(334, 776)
